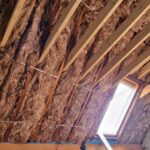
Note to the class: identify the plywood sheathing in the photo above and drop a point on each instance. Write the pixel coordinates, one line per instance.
(35, 87)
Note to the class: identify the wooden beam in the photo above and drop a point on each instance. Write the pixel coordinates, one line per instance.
(60, 25)
(135, 42)
(39, 146)
(144, 70)
(137, 13)
(12, 22)
(94, 27)
(145, 91)
(115, 147)
(66, 147)
(135, 65)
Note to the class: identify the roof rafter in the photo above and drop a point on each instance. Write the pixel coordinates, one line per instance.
(144, 70)
(135, 65)
(12, 22)
(145, 91)
(94, 27)
(60, 25)
(135, 42)
(137, 13)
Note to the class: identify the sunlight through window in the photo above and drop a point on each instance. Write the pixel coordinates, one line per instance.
(117, 109)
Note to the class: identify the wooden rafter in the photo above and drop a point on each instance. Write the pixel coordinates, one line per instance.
(137, 13)
(135, 42)
(145, 91)
(60, 25)
(92, 30)
(144, 70)
(12, 22)
(137, 63)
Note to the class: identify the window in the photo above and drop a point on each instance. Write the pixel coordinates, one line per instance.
(117, 108)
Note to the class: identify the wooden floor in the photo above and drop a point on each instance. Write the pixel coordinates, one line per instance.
(63, 147)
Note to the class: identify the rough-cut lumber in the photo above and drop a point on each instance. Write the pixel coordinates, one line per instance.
(145, 91)
(13, 20)
(144, 70)
(138, 12)
(138, 62)
(135, 42)
(60, 25)
(92, 30)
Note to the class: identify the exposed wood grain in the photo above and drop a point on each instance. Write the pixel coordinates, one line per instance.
(137, 13)
(13, 20)
(139, 38)
(101, 19)
(60, 25)
(138, 62)
(144, 70)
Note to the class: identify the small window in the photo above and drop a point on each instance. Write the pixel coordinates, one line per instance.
(117, 109)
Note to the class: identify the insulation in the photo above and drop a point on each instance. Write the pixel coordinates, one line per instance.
(42, 101)
(136, 135)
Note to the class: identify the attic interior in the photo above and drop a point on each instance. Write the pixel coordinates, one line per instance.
(75, 74)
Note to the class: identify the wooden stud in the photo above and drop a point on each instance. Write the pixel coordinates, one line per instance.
(94, 27)
(138, 12)
(60, 25)
(136, 64)
(135, 42)
(144, 70)
(13, 20)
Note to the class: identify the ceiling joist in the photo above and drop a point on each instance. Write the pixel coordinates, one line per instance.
(60, 25)
(12, 22)
(94, 27)
(135, 65)
(144, 70)
(137, 13)
(135, 42)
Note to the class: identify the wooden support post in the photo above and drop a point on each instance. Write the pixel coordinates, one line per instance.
(135, 42)
(58, 28)
(94, 27)
(13, 20)
(137, 13)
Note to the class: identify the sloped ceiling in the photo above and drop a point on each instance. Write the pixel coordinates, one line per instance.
(49, 104)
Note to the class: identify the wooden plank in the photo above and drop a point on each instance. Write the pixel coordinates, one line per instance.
(39, 147)
(137, 13)
(60, 25)
(139, 61)
(145, 91)
(66, 147)
(116, 147)
(13, 20)
(144, 70)
(135, 42)
(94, 27)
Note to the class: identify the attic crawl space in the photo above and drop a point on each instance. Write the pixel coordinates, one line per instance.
(60, 63)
